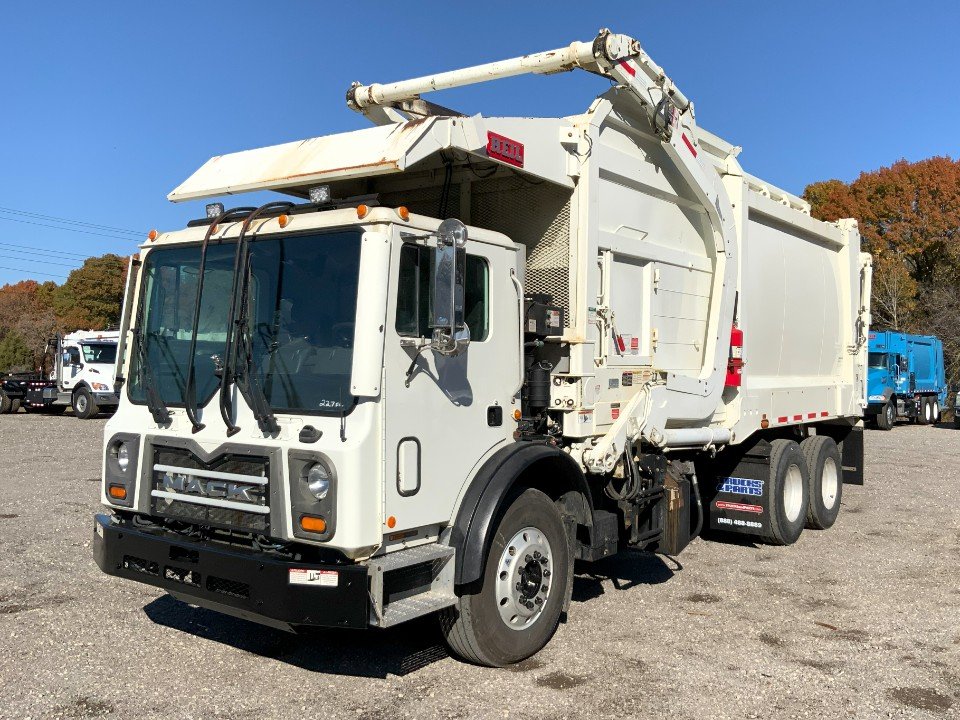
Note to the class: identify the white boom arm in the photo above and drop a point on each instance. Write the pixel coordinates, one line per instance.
(691, 399)
(600, 56)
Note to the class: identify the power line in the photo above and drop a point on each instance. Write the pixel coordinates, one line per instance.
(41, 252)
(44, 261)
(97, 226)
(32, 272)
(69, 229)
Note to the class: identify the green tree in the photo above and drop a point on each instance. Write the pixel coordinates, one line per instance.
(92, 296)
(15, 354)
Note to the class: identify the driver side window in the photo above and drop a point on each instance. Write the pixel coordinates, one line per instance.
(413, 294)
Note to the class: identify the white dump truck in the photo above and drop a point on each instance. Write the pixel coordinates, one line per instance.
(463, 352)
(82, 377)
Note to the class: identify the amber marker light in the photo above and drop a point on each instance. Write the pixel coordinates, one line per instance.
(391, 522)
(403, 213)
(117, 492)
(313, 524)
(362, 211)
(152, 235)
(517, 415)
(284, 220)
(764, 423)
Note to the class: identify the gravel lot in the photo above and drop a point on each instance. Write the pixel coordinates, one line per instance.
(861, 621)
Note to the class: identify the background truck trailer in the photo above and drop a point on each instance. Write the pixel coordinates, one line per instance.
(471, 350)
(906, 378)
(82, 377)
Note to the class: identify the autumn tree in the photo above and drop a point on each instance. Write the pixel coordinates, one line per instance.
(92, 296)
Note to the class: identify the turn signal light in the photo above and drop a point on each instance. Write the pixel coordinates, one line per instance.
(284, 220)
(404, 213)
(313, 524)
(117, 492)
(362, 211)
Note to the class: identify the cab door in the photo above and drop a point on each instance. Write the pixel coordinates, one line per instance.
(443, 414)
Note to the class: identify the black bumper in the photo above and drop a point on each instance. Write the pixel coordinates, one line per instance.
(252, 585)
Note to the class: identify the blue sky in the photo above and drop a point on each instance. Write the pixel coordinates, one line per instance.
(109, 105)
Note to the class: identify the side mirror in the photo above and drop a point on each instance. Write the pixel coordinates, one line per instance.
(450, 333)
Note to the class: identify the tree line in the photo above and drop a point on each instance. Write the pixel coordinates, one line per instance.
(32, 312)
(909, 217)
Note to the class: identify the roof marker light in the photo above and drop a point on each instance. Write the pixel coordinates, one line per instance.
(404, 213)
(152, 235)
(362, 211)
(284, 220)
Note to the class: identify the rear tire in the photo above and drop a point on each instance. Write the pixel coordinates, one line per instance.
(511, 616)
(935, 410)
(15, 407)
(887, 416)
(84, 406)
(789, 492)
(924, 415)
(825, 489)
(6, 404)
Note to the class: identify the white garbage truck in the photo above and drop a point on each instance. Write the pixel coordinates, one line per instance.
(460, 353)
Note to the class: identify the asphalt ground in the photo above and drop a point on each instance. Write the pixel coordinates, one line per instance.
(861, 621)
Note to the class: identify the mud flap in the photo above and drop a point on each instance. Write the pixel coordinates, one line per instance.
(738, 490)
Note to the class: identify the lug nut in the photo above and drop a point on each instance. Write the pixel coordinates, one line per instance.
(543, 560)
(544, 588)
(536, 554)
(546, 573)
(539, 601)
(528, 558)
(518, 587)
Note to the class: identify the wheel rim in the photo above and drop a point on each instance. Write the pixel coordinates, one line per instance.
(793, 493)
(524, 578)
(829, 482)
(889, 412)
(927, 411)
(935, 410)
(81, 404)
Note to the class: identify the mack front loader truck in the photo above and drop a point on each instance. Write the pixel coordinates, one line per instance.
(459, 353)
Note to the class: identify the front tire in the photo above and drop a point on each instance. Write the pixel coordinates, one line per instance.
(789, 492)
(525, 586)
(887, 416)
(84, 406)
(826, 480)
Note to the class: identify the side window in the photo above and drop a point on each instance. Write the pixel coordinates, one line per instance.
(413, 294)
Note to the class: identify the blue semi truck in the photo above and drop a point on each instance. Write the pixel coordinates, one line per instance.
(905, 379)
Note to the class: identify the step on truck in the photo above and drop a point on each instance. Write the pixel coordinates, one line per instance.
(82, 377)
(463, 352)
(905, 379)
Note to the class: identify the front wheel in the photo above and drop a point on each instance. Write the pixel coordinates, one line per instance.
(525, 585)
(887, 416)
(84, 406)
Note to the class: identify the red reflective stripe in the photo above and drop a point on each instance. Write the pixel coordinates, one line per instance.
(824, 413)
(811, 415)
(690, 146)
(626, 66)
(798, 417)
(782, 419)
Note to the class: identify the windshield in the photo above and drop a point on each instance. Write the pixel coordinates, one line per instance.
(877, 360)
(303, 298)
(99, 352)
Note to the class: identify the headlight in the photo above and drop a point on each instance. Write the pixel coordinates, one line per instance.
(318, 480)
(123, 456)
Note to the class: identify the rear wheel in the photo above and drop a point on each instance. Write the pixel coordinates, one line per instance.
(15, 407)
(887, 416)
(826, 482)
(935, 410)
(525, 585)
(6, 404)
(84, 406)
(925, 413)
(789, 492)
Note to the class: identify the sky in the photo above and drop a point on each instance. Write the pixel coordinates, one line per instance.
(107, 106)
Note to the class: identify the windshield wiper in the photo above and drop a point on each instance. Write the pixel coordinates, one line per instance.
(158, 408)
(237, 323)
(190, 392)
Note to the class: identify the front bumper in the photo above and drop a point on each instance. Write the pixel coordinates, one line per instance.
(252, 585)
(106, 398)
